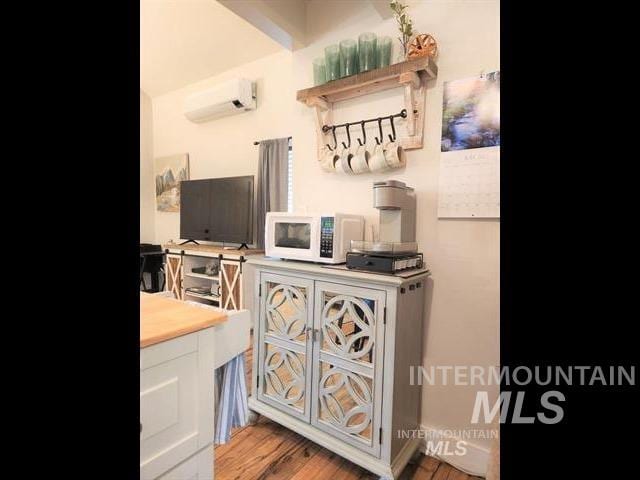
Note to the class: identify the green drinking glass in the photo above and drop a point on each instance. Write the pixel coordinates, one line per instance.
(348, 57)
(367, 51)
(384, 52)
(332, 62)
(319, 71)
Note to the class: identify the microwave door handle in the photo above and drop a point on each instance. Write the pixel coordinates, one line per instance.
(316, 233)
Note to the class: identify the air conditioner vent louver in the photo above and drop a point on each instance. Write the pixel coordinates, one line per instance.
(229, 98)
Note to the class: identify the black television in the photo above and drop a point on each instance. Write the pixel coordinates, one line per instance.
(217, 210)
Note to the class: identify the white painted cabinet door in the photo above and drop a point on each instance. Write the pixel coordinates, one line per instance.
(176, 401)
(284, 356)
(197, 467)
(348, 363)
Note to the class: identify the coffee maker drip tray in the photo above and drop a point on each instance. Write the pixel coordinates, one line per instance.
(391, 249)
(391, 264)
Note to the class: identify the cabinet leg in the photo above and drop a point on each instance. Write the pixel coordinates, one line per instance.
(253, 417)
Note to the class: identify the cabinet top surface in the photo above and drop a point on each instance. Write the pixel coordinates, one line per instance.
(162, 319)
(336, 271)
(212, 249)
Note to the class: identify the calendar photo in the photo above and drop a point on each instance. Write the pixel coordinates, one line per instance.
(471, 113)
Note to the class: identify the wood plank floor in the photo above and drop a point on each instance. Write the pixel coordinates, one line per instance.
(269, 451)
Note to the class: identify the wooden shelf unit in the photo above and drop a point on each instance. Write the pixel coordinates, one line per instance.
(181, 259)
(412, 75)
(212, 278)
(211, 298)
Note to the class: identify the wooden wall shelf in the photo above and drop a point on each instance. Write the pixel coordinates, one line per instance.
(372, 81)
(412, 75)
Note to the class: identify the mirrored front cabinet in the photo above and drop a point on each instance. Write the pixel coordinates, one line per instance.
(332, 357)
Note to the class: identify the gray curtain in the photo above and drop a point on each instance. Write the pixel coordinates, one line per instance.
(272, 181)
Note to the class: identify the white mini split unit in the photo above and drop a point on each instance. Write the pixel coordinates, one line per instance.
(229, 98)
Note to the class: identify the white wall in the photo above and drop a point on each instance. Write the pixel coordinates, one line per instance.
(224, 147)
(282, 20)
(147, 182)
(462, 325)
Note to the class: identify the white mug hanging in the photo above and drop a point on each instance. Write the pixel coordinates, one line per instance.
(377, 162)
(342, 163)
(394, 155)
(359, 159)
(327, 160)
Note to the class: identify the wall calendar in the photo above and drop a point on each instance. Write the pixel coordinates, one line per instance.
(469, 184)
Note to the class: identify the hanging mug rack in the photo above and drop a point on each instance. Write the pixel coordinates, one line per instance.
(378, 157)
(411, 76)
(363, 141)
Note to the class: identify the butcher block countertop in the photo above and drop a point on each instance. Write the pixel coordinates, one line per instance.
(162, 319)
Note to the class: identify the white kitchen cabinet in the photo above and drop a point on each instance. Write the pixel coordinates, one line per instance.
(197, 467)
(332, 358)
(176, 401)
(181, 345)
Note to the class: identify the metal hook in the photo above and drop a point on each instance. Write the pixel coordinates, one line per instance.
(335, 140)
(326, 144)
(379, 140)
(348, 138)
(363, 142)
(393, 129)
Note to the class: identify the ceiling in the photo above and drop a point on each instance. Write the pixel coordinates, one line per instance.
(184, 41)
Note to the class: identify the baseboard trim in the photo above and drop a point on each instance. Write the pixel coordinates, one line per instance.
(474, 461)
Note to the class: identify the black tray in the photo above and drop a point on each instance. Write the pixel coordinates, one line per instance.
(379, 263)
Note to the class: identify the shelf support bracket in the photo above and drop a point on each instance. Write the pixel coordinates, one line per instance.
(414, 99)
(324, 116)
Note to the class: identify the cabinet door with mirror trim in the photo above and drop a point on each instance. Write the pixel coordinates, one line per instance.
(348, 363)
(285, 349)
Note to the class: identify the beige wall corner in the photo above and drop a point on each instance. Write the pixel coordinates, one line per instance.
(493, 468)
(282, 20)
(147, 179)
(446, 445)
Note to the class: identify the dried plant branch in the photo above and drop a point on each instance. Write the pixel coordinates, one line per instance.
(405, 24)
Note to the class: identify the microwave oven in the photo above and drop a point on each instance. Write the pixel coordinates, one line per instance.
(315, 238)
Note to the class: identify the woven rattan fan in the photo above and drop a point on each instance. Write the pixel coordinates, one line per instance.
(421, 45)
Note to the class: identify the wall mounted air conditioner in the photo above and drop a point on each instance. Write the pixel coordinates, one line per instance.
(228, 98)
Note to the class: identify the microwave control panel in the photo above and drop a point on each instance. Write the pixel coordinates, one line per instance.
(326, 237)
